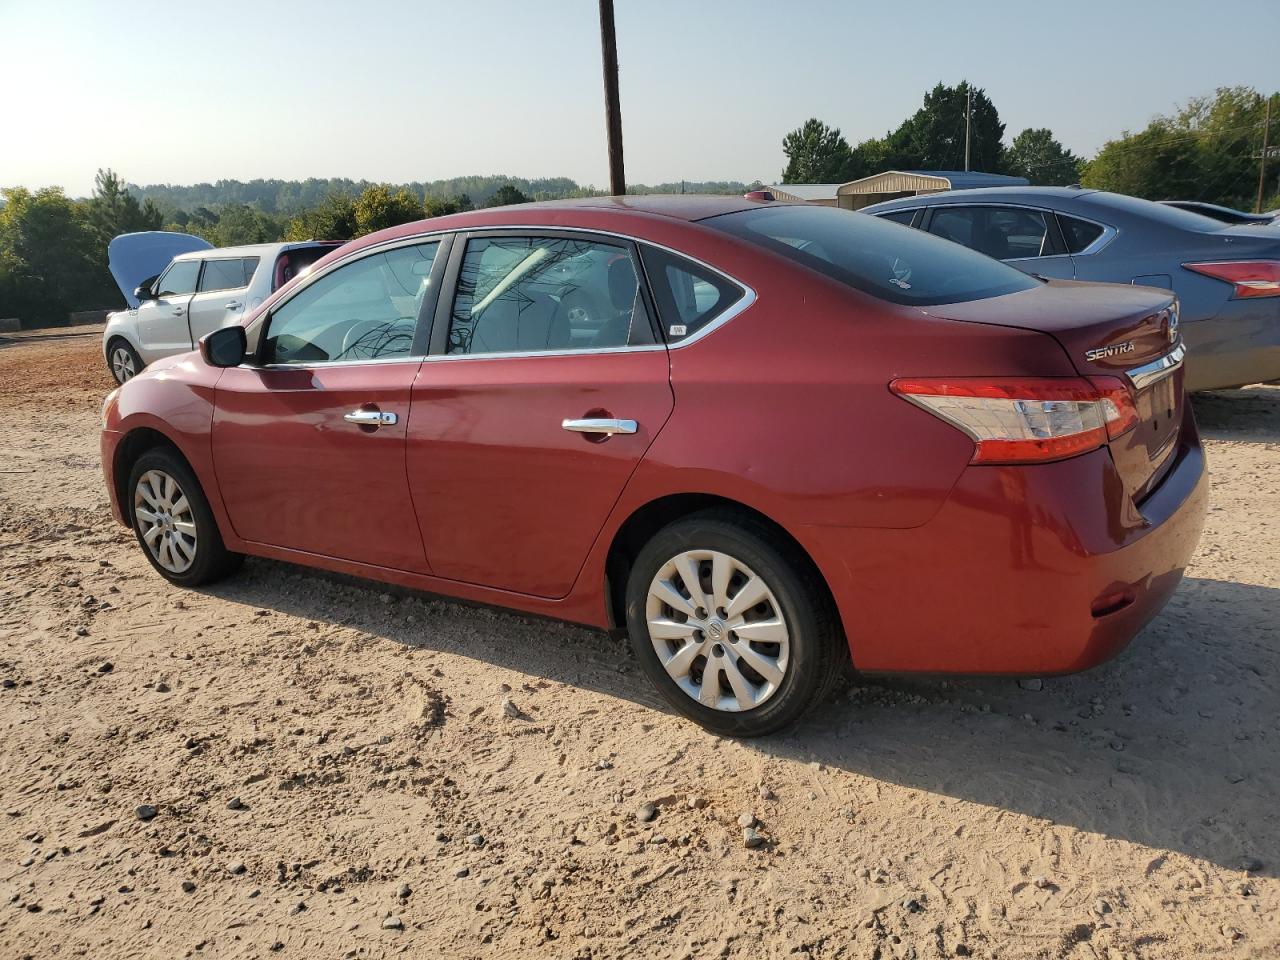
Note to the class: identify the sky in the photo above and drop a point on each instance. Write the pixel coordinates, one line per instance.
(403, 90)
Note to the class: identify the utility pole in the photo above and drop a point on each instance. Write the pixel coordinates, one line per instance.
(1262, 164)
(612, 111)
(968, 120)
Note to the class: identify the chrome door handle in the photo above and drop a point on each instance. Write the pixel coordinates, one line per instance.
(233, 305)
(607, 427)
(371, 418)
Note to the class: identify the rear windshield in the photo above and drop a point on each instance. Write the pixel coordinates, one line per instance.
(884, 259)
(292, 262)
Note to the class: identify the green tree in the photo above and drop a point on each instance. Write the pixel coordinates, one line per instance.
(506, 195)
(817, 153)
(378, 208)
(443, 206)
(1207, 150)
(933, 137)
(1036, 155)
(239, 224)
(113, 210)
(333, 219)
(50, 260)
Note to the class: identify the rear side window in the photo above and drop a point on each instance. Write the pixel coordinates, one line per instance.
(228, 274)
(1078, 234)
(293, 263)
(899, 216)
(179, 279)
(689, 296)
(901, 266)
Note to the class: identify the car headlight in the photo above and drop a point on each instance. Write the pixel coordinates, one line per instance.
(107, 404)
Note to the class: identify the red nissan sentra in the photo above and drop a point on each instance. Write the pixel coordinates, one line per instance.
(766, 439)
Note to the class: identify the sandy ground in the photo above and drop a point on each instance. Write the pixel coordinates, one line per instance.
(334, 774)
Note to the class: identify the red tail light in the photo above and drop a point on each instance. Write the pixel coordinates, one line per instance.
(1026, 420)
(1250, 278)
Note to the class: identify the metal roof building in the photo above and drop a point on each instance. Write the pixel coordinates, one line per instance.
(890, 185)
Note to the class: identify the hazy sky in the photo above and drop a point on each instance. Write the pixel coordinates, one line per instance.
(401, 90)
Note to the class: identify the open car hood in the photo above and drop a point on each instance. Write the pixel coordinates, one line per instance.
(135, 257)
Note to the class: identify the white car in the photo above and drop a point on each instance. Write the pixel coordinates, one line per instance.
(179, 288)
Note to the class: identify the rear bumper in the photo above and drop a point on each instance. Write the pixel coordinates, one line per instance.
(1024, 570)
(1241, 345)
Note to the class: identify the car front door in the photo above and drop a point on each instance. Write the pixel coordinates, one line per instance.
(220, 296)
(309, 436)
(1023, 237)
(162, 322)
(546, 385)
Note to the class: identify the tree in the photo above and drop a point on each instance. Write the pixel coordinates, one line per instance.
(1036, 155)
(113, 210)
(50, 260)
(1207, 150)
(507, 195)
(933, 138)
(333, 219)
(443, 206)
(817, 153)
(378, 208)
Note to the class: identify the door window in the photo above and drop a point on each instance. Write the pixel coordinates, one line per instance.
(545, 294)
(366, 310)
(1005, 233)
(689, 295)
(231, 274)
(179, 279)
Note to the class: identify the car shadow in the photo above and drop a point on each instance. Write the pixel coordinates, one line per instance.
(1247, 414)
(1174, 744)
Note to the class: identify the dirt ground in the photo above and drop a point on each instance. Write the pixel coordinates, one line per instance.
(334, 772)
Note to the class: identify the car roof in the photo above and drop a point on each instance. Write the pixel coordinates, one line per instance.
(249, 250)
(986, 194)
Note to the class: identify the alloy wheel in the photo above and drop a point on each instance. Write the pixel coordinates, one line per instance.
(165, 521)
(122, 364)
(718, 630)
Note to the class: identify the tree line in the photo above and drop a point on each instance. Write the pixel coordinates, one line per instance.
(1207, 150)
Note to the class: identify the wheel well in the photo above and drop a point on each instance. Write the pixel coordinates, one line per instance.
(134, 445)
(640, 527)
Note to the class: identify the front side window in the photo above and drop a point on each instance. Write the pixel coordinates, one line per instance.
(689, 296)
(179, 279)
(1005, 233)
(1078, 234)
(366, 310)
(877, 258)
(546, 294)
(231, 274)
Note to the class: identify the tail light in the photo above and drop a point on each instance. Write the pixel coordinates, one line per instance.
(1250, 278)
(1024, 420)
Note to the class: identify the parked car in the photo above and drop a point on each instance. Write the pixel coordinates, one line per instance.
(179, 288)
(1217, 212)
(1227, 278)
(767, 440)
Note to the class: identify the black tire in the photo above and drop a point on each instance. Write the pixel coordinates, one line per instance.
(212, 560)
(120, 344)
(818, 654)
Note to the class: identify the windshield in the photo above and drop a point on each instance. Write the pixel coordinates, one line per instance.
(878, 257)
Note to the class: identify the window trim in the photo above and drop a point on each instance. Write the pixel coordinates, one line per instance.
(415, 355)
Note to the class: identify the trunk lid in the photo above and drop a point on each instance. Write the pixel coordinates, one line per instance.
(135, 257)
(1108, 330)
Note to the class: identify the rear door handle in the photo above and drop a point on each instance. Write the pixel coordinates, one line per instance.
(607, 427)
(177, 311)
(371, 418)
(233, 305)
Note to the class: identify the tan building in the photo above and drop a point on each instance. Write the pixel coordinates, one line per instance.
(889, 185)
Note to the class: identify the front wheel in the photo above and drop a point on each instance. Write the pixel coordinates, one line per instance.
(731, 625)
(173, 522)
(123, 360)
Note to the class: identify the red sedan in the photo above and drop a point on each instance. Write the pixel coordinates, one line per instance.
(767, 440)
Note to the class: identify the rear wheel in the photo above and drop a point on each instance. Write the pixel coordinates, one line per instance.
(173, 522)
(123, 360)
(731, 626)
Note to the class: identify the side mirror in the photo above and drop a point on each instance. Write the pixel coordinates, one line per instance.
(144, 292)
(224, 347)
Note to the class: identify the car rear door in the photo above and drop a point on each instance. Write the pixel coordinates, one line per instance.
(309, 437)
(220, 296)
(546, 384)
(162, 322)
